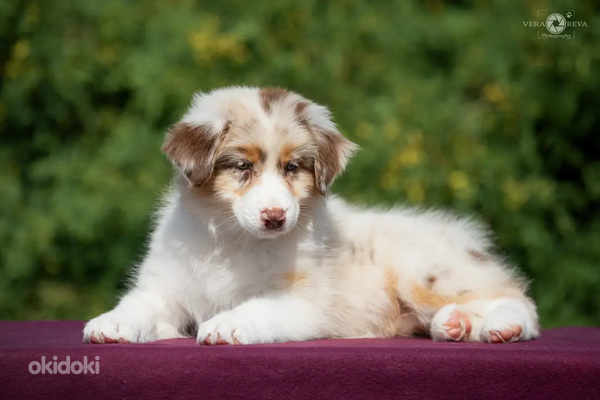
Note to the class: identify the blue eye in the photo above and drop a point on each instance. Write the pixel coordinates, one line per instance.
(243, 165)
(291, 166)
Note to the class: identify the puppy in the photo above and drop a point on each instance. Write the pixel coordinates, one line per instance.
(249, 248)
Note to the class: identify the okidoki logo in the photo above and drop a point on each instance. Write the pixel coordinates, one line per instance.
(65, 367)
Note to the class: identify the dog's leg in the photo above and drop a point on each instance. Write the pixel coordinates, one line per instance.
(283, 318)
(139, 317)
(501, 320)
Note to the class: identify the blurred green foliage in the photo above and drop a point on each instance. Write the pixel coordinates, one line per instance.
(454, 105)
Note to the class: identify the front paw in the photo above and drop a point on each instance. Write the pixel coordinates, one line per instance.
(114, 327)
(229, 327)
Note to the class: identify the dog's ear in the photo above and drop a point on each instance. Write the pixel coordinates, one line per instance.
(193, 149)
(334, 150)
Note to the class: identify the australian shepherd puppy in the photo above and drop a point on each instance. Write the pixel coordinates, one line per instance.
(249, 248)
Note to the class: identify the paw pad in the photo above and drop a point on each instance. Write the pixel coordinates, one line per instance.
(507, 335)
(458, 326)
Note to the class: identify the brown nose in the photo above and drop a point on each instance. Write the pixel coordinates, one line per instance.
(273, 217)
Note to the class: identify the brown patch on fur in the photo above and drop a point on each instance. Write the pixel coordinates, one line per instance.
(299, 111)
(253, 153)
(480, 256)
(430, 280)
(301, 184)
(289, 181)
(295, 277)
(244, 189)
(220, 181)
(334, 152)
(286, 154)
(271, 95)
(404, 308)
(300, 106)
(424, 297)
(391, 289)
(225, 181)
(194, 149)
(300, 181)
(392, 321)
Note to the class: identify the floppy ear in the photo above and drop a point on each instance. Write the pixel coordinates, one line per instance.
(334, 150)
(193, 149)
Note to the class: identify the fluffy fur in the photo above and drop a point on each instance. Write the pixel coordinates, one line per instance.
(248, 248)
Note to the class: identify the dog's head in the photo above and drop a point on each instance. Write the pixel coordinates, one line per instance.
(264, 152)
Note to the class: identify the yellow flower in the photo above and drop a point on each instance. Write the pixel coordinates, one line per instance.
(364, 130)
(459, 181)
(415, 192)
(515, 194)
(493, 92)
(408, 156)
(210, 43)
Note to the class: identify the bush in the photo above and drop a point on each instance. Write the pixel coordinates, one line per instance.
(457, 106)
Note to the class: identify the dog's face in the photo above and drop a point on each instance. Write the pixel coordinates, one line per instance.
(263, 152)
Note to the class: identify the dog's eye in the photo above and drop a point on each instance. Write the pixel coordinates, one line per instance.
(243, 165)
(291, 166)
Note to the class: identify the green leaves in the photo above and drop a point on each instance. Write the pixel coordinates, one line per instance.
(453, 106)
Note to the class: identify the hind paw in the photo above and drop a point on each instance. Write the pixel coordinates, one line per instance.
(508, 335)
(450, 324)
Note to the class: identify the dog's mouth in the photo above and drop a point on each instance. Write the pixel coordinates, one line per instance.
(271, 232)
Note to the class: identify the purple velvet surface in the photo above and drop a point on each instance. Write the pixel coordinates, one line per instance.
(564, 363)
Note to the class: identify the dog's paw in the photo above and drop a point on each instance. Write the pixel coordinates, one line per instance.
(228, 327)
(502, 320)
(506, 335)
(450, 324)
(508, 321)
(114, 327)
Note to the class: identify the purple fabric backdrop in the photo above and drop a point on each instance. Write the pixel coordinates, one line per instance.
(564, 363)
